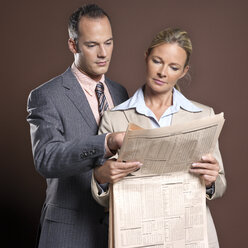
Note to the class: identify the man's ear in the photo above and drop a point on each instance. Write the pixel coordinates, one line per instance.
(72, 45)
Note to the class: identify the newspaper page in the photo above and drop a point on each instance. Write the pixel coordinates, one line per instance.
(162, 205)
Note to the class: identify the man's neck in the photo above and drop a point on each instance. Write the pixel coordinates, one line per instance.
(96, 78)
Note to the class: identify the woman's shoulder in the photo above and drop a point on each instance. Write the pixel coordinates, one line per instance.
(116, 115)
(114, 112)
(200, 105)
(114, 121)
(204, 108)
(189, 105)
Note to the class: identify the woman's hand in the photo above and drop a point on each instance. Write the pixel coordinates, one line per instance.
(207, 168)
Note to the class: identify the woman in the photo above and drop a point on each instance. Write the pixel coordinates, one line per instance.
(158, 103)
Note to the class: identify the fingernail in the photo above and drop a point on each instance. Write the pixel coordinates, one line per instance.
(204, 157)
(194, 164)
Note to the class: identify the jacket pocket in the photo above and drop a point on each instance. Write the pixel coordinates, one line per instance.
(61, 215)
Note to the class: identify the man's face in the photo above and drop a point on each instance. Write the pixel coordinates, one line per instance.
(95, 46)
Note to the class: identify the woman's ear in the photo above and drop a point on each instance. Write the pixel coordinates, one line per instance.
(146, 55)
(185, 70)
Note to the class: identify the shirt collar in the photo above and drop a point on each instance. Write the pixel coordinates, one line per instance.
(181, 101)
(85, 81)
(137, 101)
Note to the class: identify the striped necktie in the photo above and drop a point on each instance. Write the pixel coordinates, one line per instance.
(102, 101)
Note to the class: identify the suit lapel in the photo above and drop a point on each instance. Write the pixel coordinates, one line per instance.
(184, 116)
(138, 119)
(76, 94)
(115, 94)
(178, 117)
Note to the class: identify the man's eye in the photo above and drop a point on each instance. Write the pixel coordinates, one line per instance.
(90, 45)
(108, 43)
(174, 68)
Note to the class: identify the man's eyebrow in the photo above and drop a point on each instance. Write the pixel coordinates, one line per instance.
(96, 43)
(90, 42)
(110, 39)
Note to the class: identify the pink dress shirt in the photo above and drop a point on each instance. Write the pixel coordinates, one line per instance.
(88, 85)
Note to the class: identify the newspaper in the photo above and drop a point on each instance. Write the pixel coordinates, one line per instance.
(162, 205)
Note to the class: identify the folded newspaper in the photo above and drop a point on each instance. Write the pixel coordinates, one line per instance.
(162, 204)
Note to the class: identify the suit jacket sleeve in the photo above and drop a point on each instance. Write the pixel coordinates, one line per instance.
(54, 156)
(220, 183)
(102, 199)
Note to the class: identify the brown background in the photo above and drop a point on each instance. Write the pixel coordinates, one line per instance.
(34, 49)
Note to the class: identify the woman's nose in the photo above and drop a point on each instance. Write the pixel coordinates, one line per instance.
(162, 72)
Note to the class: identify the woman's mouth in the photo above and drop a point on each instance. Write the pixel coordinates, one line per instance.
(160, 82)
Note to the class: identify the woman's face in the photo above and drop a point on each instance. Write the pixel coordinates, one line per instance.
(165, 65)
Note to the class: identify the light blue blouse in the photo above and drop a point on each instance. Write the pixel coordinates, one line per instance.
(137, 101)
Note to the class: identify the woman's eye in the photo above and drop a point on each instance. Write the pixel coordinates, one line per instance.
(156, 61)
(174, 68)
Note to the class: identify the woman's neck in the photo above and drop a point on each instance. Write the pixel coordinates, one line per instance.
(158, 103)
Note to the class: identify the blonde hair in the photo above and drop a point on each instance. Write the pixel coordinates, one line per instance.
(173, 35)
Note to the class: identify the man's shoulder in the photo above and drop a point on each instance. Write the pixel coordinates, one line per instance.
(114, 84)
(52, 85)
(118, 92)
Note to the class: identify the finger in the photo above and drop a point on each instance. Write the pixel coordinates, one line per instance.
(208, 166)
(118, 177)
(204, 172)
(127, 165)
(120, 172)
(209, 158)
(115, 140)
(208, 180)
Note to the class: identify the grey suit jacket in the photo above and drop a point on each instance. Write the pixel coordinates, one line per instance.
(115, 121)
(65, 150)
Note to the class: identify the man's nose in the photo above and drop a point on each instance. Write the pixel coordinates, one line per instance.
(102, 52)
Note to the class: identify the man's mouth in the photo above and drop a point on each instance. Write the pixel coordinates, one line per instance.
(102, 63)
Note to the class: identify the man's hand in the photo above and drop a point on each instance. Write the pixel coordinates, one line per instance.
(112, 171)
(208, 169)
(114, 141)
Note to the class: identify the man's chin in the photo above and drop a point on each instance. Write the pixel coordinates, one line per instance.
(96, 75)
(100, 71)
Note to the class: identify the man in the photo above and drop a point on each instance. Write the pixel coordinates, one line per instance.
(64, 114)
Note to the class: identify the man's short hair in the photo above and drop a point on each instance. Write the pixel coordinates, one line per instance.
(88, 10)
